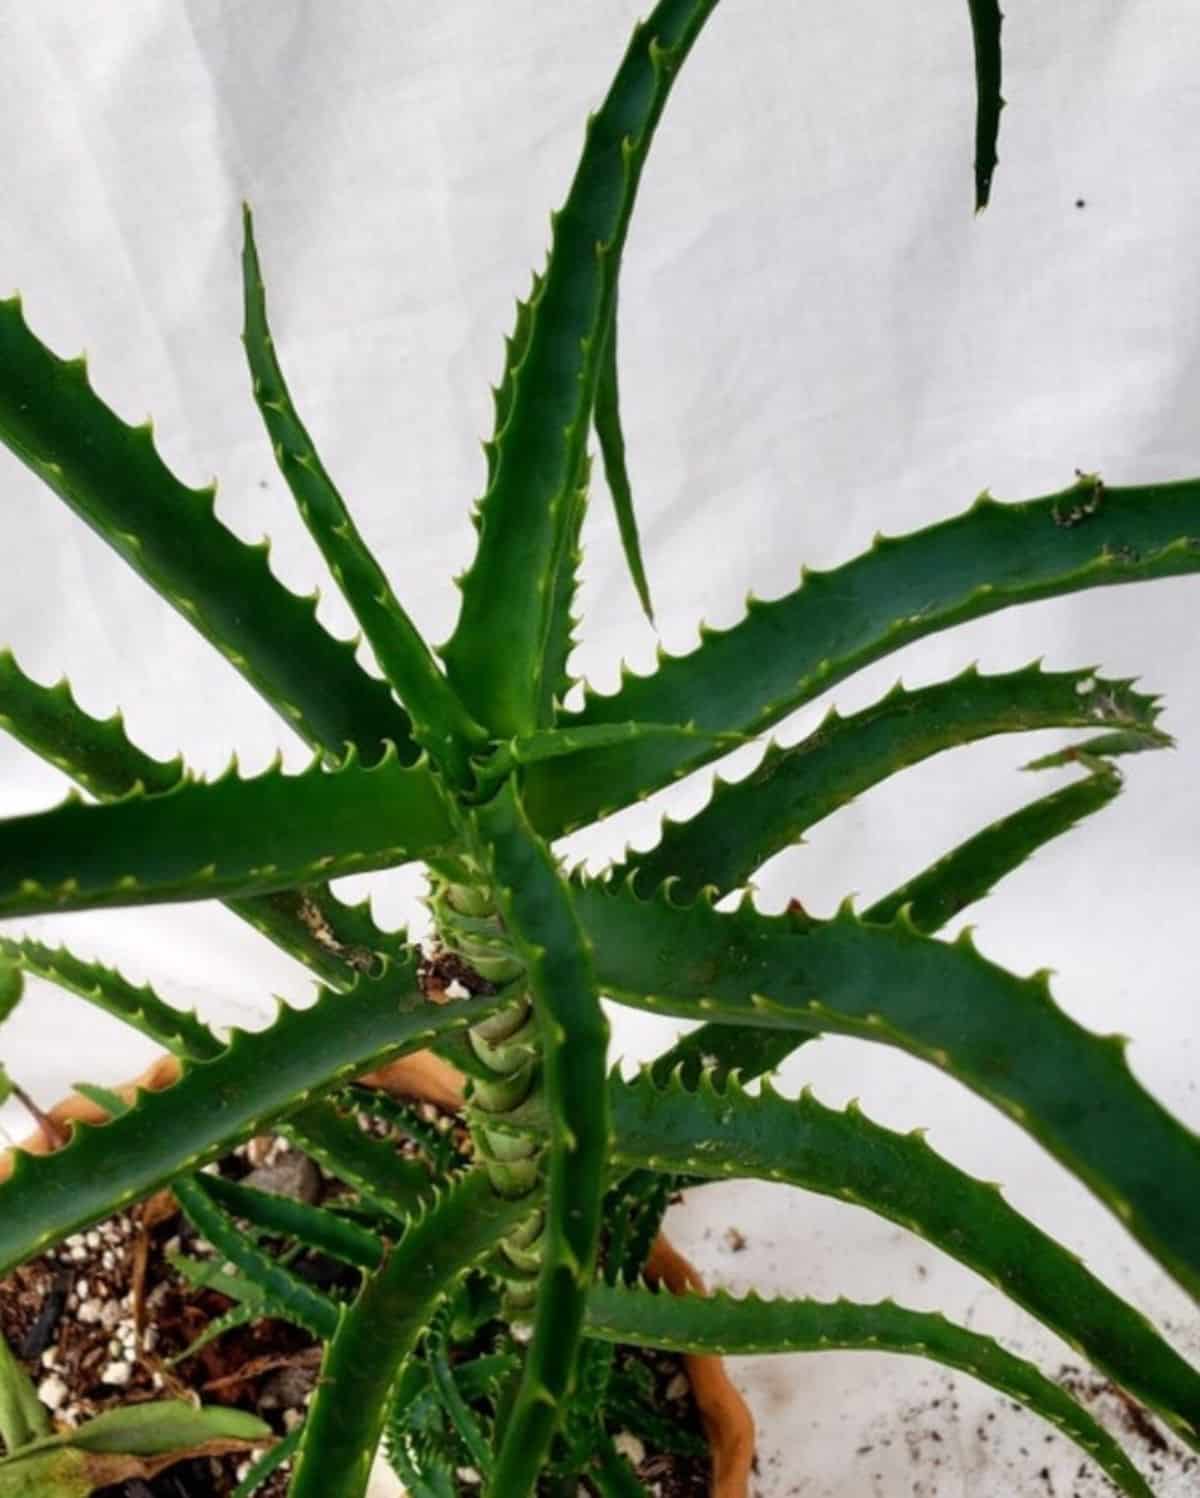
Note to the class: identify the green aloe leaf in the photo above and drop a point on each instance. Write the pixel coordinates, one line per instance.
(23, 1417)
(246, 1293)
(294, 1298)
(1001, 1035)
(378, 1333)
(580, 745)
(555, 679)
(282, 1451)
(380, 1176)
(516, 346)
(334, 940)
(407, 1119)
(103, 1097)
(450, 1395)
(236, 1316)
(607, 419)
(258, 1079)
(721, 1324)
(538, 915)
(970, 871)
(495, 656)
(282, 1217)
(95, 752)
(932, 897)
(113, 478)
(748, 821)
(1102, 746)
(12, 986)
(788, 651)
(720, 1132)
(181, 1032)
(985, 36)
(231, 837)
(439, 722)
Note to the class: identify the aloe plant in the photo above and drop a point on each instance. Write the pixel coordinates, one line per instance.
(494, 1282)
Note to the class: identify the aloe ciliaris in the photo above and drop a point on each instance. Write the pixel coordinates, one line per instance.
(466, 758)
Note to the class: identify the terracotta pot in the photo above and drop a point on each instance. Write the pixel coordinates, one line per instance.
(727, 1421)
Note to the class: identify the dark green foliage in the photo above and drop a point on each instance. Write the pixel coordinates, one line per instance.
(484, 1285)
(793, 789)
(112, 477)
(722, 1324)
(227, 837)
(786, 652)
(438, 720)
(985, 35)
(999, 1034)
(256, 1080)
(722, 1132)
(494, 657)
(612, 446)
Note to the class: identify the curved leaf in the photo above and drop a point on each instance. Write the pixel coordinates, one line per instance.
(179, 1031)
(204, 839)
(721, 1324)
(256, 1080)
(788, 651)
(113, 478)
(283, 1217)
(372, 1166)
(965, 874)
(721, 1132)
(332, 939)
(1102, 746)
(1000, 1035)
(281, 1452)
(406, 1118)
(748, 821)
(607, 419)
(286, 1294)
(970, 871)
(378, 1333)
(96, 752)
(495, 656)
(536, 906)
(439, 722)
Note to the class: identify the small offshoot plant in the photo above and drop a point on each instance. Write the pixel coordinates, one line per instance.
(496, 1282)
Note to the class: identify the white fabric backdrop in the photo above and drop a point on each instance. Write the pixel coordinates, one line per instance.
(818, 340)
